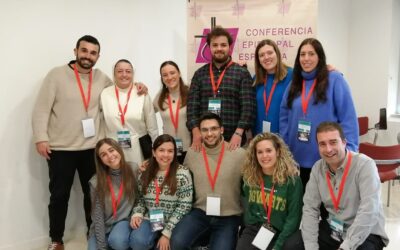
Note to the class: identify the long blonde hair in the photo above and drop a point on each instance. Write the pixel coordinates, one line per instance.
(285, 167)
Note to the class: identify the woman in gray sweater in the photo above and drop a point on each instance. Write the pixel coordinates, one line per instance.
(113, 193)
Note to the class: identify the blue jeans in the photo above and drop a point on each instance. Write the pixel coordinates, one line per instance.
(223, 231)
(117, 238)
(143, 238)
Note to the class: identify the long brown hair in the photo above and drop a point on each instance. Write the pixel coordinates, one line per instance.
(285, 166)
(151, 171)
(321, 77)
(280, 68)
(183, 89)
(102, 171)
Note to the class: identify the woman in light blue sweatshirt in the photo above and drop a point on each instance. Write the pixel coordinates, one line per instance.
(315, 95)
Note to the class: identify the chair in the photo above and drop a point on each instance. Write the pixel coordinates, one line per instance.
(387, 159)
(363, 125)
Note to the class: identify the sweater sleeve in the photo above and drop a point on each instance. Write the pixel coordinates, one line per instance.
(140, 208)
(284, 117)
(150, 118)
(185, 197)
(294, 204)
(98, 221)
(311, 212)
(155, 103)
(346, 112)
(42, 109)
(193, 103)
(247, 101)
(369, 185)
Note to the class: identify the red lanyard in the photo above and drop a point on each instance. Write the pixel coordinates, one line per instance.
(78, 80)
(123, 112)
(267, 104)
(221, 154)
(304, 100)
(264, 202)
(215, 87)
(335, 200)
(171, 113)
(158, 190)
(114, 202)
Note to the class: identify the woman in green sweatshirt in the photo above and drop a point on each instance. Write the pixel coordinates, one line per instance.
(272, 192)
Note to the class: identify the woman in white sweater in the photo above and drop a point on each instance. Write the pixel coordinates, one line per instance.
(127, 115)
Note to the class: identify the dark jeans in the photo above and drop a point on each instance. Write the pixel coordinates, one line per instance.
(325, 242)
(196, 224)
(247, 237)
(62, 167)
(305, 177)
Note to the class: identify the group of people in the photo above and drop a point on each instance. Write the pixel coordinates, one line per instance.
(199, 186)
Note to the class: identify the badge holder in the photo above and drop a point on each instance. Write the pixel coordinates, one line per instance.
(214, 105)
(156, 220)
(266, 126)
(179, 146)
(304, 131)
(213, 206)
(124, 138)
(88, 128)
(264, 236)
(337, 229)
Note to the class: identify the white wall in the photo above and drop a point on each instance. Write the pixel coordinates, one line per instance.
(38, 35)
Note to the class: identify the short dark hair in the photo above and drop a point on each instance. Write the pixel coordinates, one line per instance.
(89, 39)
(330, 126)
(219, 31)
(210, 116)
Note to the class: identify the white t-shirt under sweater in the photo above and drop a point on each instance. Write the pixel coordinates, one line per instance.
(140, 119)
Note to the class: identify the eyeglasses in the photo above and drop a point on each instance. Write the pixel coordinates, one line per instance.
(212, 129)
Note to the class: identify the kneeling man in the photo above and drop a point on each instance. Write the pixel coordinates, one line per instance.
(348, 185)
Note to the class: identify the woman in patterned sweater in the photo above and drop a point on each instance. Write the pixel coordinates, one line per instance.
(166, 192)
(113, 191)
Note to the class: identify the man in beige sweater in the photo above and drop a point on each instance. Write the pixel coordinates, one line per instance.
(66, 127)
(216, 177)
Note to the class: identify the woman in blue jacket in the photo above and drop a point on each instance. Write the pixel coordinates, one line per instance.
(315, 95)
(271, 80)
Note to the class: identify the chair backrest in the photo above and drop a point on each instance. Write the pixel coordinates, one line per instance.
(381, 154)
(363, 125)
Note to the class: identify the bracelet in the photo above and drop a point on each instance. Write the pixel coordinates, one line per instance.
(238, 134)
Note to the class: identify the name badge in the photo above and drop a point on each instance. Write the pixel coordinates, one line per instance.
(266, 126)
(156, 220)
(264, 237)
(88, 128)
(304, 131)
(179, 146)
(337, 229)
(124, 138)
(214, 105)
(213, 205)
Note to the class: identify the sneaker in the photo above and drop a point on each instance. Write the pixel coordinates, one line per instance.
(56, 246)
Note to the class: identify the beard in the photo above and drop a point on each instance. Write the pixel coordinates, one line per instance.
(219, 59)
(85, 63)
